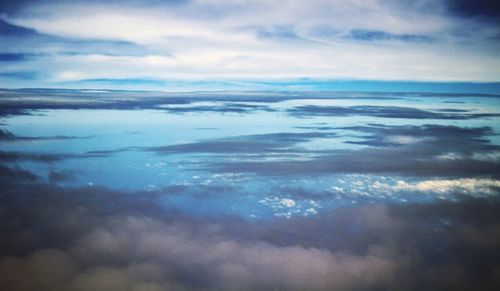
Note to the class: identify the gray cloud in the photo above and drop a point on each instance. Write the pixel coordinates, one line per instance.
(22, 156)
(385, 111)
(223, 108)
(6, 135)
(252, 144)
(9, 156)
(430, 150)
(22, 101)
(96, 239)
(14, 57)
(374, 35)
(15, 174)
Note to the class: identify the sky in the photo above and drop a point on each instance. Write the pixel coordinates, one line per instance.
(249, 45)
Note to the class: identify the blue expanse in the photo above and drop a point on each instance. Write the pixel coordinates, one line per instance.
(151, 145)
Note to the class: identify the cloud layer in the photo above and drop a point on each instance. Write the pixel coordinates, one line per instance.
(95, 239)
(152, 44)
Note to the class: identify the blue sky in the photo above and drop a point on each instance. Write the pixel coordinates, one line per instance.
(250, 45)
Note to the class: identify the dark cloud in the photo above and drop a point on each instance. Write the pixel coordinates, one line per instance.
(28, 156)
(10, 156)
(222, 108)
(20, 44)
(430, 150)
(34, 99)
(318, 127)
(384, 111)
(7, 29)
(435, 138)
(367, 162)
(8, 175)
(251, 144)
(103, 153)
(9, 112)
(61, 176)
(6, 135)
(23, 100)
(14, 57)
(91, 238)
(13, 6)
(485, 9)
(13, 156)
(376, 35)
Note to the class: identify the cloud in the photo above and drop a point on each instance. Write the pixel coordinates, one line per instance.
(257, 41)
(250, 144)
(287, 202)
(16, 174)
(7, 29)
(61, 176)
(468, 186)
(226, 107)
(9, 156)
(13, 57)
(92, 238)
(124, 82)
(6, 135)
(22, 156)
(24, 100)
(385, 111)
(374, 35)
(429, 150)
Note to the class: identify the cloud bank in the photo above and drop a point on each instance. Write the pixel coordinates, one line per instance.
(93, 238)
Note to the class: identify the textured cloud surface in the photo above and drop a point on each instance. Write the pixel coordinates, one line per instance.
(96, 239)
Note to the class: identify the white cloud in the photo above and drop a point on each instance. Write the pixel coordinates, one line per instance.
(469, 186)
(287, 202)
(222, 40)
(402, 139)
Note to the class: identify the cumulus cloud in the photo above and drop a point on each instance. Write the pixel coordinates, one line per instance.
(469, 186)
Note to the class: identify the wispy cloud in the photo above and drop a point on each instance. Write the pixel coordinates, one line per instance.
(253, 40)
